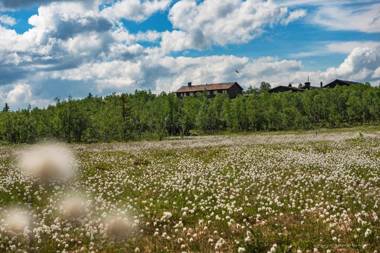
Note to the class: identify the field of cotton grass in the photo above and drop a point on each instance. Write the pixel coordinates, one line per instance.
(275, 193)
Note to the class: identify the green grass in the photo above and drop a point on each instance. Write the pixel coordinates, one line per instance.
(297, 195)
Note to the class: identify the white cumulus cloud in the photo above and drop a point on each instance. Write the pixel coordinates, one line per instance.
(7, 20)
(361, 64)
(214, 22)
(21, 93)
(136, 10)
(76, 47)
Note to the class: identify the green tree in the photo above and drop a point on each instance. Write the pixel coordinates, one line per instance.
(265, 86)
(6, 108)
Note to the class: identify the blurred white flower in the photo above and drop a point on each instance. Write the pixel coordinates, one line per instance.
(118, 226)
(73, 207)
(16, 221)
(48, 162)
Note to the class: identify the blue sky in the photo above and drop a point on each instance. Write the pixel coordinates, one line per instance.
(70, 48)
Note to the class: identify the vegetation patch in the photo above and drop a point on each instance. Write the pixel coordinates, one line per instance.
(231, 195)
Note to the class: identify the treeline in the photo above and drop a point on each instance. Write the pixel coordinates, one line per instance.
(144, 115)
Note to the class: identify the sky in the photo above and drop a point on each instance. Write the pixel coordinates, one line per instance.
(55, 49)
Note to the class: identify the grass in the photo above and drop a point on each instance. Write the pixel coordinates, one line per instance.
(282, 194)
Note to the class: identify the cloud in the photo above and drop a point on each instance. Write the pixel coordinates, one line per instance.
(148, 36)
(73, 48)
(213, 22)
(63, 35)
(294, 15)
(335, 47)
(7, 20)
(21, 93)
(65, 20)
(363, 18)
(168, 73)
(361, 64)
(179, 41)
(69, 28)
(20, 3)
(67, 35)
(346, 47)
(293, 3)
(8, 74)
(136, 10)
(16, 4)
(376, 74)
(341, 15)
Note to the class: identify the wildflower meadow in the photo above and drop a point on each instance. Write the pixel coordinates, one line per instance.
(311, 192)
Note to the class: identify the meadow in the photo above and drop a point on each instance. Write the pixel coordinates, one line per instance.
(310, 192)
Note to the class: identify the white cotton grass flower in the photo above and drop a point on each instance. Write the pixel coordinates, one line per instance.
(48, 162)
(219, 244)
(74, 206)
(166, 216)
(16, 221)
(119, 226)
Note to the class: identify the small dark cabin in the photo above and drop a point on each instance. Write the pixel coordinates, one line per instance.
(288, 88)
(339, 82)
(231, 89)
(301, 87)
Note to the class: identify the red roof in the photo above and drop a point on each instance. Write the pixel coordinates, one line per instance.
(207, 87)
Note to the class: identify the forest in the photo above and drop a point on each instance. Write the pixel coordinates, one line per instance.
(143, 115)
